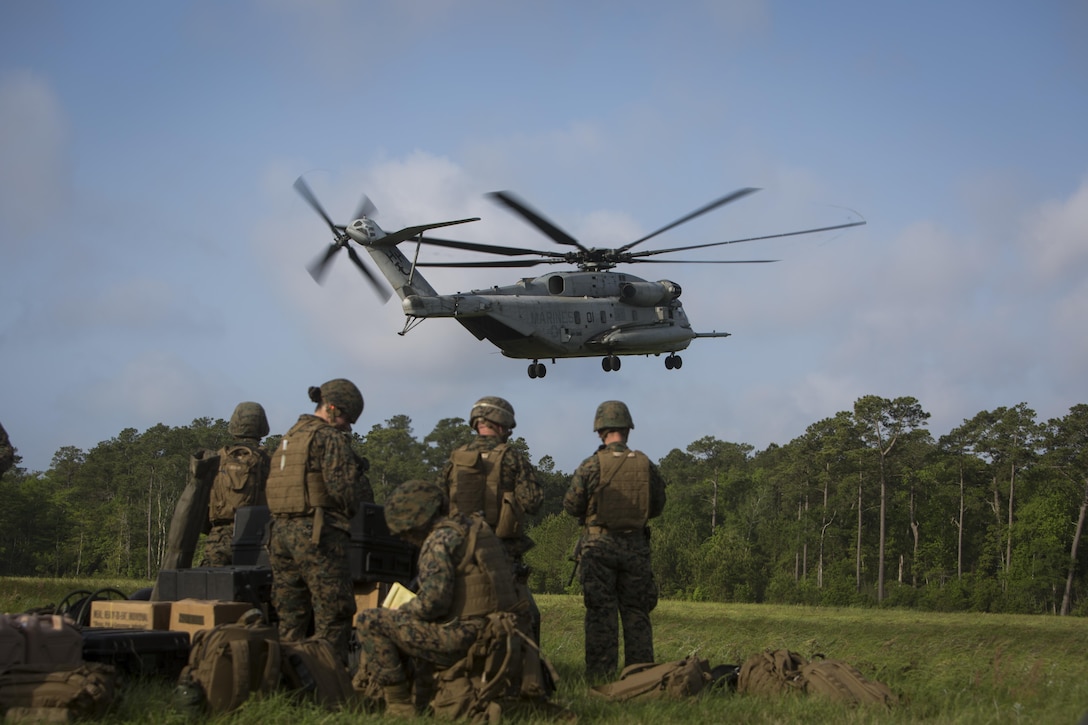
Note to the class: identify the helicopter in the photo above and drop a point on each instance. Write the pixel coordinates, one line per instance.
(590, 311)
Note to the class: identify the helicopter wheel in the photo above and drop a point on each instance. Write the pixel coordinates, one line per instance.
(606, 363)
(532, 370)
(668, 362)
(673, 362)
(678, 363)
(541, 371)
(615, 362)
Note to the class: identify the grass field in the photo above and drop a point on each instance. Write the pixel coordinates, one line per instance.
(946, 668)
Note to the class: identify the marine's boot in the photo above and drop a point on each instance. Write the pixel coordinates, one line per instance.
(398, 700)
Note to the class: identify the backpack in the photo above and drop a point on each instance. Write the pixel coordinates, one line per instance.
(312, 668)
(772, 673)
(678, 679)
(782, 671)
(87, 689)
(238, 482)
(232, 661)
(502, 667)
(843, 683)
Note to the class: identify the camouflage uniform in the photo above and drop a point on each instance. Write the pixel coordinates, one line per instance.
(423, 627)
(248, 425)
(312, 579)
(615, 573)
(518, 475)
(218, 544)
(7, 453)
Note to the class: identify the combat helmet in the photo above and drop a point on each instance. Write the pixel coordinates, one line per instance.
(344, 395)
(493, 409)
(412, 504)
(612, 414)
(248, 421)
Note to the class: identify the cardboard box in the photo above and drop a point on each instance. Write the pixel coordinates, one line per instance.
(129, 614)
(193, 615)
(370, 596)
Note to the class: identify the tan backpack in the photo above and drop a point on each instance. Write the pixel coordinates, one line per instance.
(677, 680)
(83, 690)
(238, 482)
(503, 667)
(230, 662)
(783, 672)
(842, 682)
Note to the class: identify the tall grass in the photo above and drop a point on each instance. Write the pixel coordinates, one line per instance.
(946, 668)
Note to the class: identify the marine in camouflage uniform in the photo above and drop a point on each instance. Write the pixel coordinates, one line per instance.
(312, 494)
(442, 622)
(492, 418)
(7, 453)
(615, 570)
(248, 425)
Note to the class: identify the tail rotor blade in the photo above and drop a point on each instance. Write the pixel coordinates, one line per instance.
(306, 193)
(320, 265)
(379, 288)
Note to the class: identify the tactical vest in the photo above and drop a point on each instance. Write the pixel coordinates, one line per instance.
(292, 489)
(238, 483)
(622, 497)
(476, 482)
(484, 584)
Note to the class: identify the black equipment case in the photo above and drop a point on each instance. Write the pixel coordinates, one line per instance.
(138, 652)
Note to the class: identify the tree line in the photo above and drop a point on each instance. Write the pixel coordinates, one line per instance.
(865, 508)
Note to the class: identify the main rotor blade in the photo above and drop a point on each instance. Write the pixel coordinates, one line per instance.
(379, 288)
(536, 219)
(409, 232)
(487, 248)
(748, 239)
(318, 267)
(738, 194)
(509, 263)
(304, 190)
(701, 261)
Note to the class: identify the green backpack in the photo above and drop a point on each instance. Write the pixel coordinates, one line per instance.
(230, 662)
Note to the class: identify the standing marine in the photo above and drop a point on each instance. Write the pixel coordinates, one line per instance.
(314, 488)
(464, 575)
(240, 480)
(489, 476)
(614, 493)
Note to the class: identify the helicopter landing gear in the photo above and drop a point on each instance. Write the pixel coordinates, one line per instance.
(537, 369)
(610, 363)
(673, 362)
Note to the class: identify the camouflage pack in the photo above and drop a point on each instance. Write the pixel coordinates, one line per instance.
(238, 483)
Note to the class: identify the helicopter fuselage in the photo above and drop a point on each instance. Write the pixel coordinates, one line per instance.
(568, 314)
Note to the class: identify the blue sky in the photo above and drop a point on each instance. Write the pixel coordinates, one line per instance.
(154, 252)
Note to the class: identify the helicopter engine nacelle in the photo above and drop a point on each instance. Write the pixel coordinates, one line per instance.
(649, 294)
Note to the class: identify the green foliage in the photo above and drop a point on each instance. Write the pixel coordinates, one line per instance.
(863, 509)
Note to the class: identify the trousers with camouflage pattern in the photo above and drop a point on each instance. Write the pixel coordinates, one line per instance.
(617, 580)
(311, 582)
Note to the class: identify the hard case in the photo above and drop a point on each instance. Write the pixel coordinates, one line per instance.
(156, 653)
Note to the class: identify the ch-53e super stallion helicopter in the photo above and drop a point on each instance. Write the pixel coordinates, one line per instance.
(590, 312)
